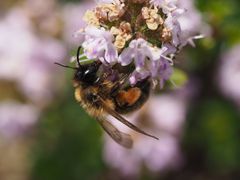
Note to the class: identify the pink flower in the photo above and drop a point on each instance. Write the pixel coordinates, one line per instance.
(161, 70)
(148, 61)
(229, 74)
(16, 118)
(97, 44)
(137, 76)
(138, 50)
(192, 24)
(173, 24)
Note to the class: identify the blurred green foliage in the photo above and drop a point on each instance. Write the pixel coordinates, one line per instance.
(213, 131)
(178, 79)
(223, 17)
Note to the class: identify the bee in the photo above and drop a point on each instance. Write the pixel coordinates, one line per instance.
(100, 95)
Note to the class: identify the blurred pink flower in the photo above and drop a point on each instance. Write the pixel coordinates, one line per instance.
(26, 58)
(73, 19)
(229, 74)
(38, 81)
(16, 40)
(163, 116)
(40, 8)
(168, 113)
(15, 118)
(45, 16)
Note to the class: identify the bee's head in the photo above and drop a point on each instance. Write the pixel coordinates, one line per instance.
(84, 73)
(87, 74)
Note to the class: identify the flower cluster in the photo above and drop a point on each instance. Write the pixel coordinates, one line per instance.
(144, 33)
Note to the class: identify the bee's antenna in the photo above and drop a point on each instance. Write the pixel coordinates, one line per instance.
(78, 53)
(64, 65)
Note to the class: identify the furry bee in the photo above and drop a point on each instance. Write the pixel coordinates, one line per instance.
(100, 95)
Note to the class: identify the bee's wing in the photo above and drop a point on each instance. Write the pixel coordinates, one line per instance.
(121, 138)
(123, 120)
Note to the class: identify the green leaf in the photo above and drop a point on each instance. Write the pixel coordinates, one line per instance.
(178, 78)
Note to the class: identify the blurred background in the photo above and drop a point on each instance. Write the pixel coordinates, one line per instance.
(46, 135)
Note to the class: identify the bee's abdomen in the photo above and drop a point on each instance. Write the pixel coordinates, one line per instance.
(133, 98)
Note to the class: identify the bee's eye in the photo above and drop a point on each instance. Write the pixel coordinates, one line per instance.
(90, 75)
(87, 74)
(79, 75)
